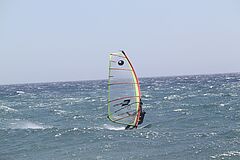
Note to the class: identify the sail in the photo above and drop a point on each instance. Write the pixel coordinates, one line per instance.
(123, 91)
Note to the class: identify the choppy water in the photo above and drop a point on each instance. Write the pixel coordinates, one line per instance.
(193, 117)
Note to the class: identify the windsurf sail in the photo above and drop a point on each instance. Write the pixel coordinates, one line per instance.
(123, 91)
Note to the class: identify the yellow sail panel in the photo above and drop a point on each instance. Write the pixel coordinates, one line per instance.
(123, 90)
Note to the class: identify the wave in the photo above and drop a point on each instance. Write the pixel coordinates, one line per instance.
(179, 110)
(24, 124)
(60, 112)
(173, 97)
(20, 92)
(110, 127)
(7, 109)
(227, 154)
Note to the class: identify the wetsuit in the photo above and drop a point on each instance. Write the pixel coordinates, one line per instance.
(141, 117)
(142, 114)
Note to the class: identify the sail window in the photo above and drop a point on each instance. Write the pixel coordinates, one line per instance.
(121, 62)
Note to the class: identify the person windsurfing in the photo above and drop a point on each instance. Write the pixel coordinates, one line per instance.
(141, 117)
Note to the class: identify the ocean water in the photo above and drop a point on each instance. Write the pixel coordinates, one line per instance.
(192, 117)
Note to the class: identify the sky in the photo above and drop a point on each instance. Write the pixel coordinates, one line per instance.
(70, 40)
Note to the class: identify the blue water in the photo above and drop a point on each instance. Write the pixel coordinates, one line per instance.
(193, 117)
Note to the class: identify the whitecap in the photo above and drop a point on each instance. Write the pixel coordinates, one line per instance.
(75, 129)
(191, 95)
(103, 99)
(110, 127)
(227, 154)
(229, 78)
(148, 106)
(178, 110)
(173, 97)
(182, 111)
(222, 105)
(20, 92)
(78, 117)
(147, 96)
(58, 135)
(8, 109)
(24, 124)
(177, 89)
(59, 112)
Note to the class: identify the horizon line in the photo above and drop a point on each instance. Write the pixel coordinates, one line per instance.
(62, 81)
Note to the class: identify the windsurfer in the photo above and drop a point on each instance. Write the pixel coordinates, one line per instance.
(141, 117)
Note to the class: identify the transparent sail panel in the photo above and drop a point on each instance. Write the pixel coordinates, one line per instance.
(123, 88)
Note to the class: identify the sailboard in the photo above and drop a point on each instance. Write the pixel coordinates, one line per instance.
(146, 126)
(124, 94)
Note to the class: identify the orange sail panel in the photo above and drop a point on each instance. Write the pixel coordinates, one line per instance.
(123, 91)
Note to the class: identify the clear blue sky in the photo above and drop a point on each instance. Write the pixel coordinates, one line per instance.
(68, 40)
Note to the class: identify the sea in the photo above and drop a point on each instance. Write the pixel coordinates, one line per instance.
(193, 118)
